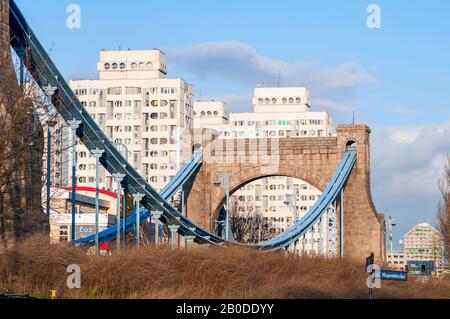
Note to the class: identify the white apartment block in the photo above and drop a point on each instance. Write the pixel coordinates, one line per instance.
(135, 104)
(210, 114)
(396, 260)
(278, 112)
(424, 243)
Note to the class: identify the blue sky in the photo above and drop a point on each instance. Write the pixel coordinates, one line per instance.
(396, 78)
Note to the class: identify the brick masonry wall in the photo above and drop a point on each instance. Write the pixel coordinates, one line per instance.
(313, 160)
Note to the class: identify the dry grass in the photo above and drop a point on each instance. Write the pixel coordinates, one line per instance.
(35, 267)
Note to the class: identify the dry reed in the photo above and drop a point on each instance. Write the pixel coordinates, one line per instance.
(36, 267)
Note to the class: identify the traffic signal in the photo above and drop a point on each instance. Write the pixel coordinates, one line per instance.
(370, 260)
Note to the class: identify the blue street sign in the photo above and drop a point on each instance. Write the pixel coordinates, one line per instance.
(393, 275)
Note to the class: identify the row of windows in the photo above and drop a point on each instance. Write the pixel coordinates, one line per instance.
(272, 133)
(133, 66)
(208, 113)
(279, 122)
(128, 90)
(243, 198)
(296, 186)
(275, 100)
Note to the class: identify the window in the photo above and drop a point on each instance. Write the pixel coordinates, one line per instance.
(315, 122)
(122, 66)
(149, 65)
(154, 116)
(134, 66)
(133, 90)
(163, 115)
(114, 91)
(63, 233)
(107, 66)
(298, 100)
(163, 103)
(167, 90)
(274, 100)
(92, 104)
(291, 100)
(114, 66)
(141, 65)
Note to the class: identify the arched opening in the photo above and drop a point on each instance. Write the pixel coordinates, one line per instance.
(263, 208)
(351, 144)
(196, 147)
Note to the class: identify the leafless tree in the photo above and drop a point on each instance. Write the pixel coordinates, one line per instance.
(248, 226)
(21, 149)
(443, 214)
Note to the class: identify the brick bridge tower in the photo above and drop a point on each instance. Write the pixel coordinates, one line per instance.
(313, 160)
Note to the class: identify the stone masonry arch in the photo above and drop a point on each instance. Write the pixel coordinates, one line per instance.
(316, 181)
(313, 160)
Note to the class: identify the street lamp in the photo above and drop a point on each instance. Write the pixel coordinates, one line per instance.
(291, 200)
(49, 92)
(224, 181)
(391, 223)
(74, 124)
(123, 149)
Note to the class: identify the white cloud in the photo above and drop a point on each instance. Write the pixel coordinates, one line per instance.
(332, 87)
(410, 160)
(235, 103)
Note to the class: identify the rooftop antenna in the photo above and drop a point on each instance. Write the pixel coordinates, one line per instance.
(279, 78)
(200, 96)
(353, 120)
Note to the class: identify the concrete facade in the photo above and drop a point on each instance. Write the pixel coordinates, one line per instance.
(313, 160)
